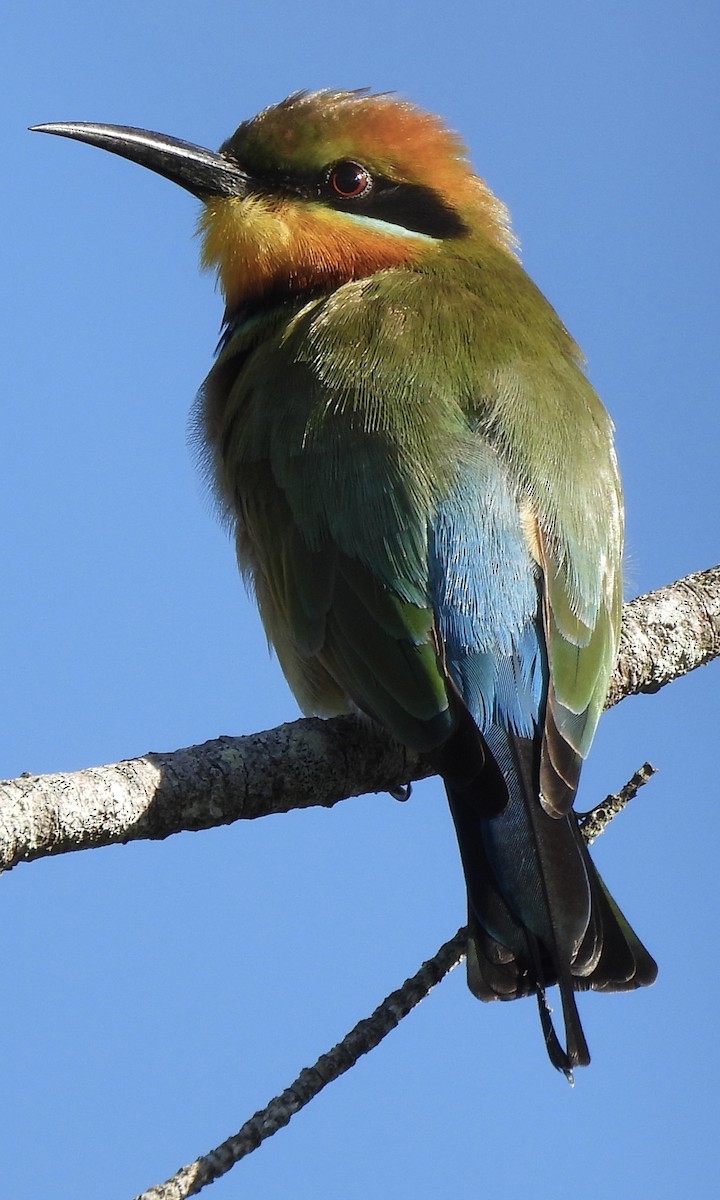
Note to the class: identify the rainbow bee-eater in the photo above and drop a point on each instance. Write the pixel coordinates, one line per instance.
(424, 495)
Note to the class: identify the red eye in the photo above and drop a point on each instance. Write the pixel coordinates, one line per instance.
(349, 180)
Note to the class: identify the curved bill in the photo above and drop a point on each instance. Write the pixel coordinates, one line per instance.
(200, 171)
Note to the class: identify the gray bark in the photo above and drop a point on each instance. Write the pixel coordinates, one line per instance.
(308, 762)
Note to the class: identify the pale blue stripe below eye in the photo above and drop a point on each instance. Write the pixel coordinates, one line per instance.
(386, 226)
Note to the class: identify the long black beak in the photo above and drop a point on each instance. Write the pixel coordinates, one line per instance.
(199, 171)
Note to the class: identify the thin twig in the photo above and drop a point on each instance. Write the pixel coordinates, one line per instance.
(594, 822)
(366, 1035)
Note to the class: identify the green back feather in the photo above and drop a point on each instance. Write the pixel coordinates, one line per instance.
(337, 425)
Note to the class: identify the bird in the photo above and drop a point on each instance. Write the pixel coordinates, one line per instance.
(424, 495)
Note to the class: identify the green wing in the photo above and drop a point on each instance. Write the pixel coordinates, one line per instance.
(331, 524)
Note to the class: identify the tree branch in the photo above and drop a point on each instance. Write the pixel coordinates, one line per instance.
(666, 634)
(309, 762)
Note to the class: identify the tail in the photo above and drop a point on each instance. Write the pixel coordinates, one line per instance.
(539, 913)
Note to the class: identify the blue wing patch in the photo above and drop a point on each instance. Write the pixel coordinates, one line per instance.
(484, 586)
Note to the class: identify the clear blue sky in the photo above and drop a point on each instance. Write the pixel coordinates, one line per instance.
(154, 996)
